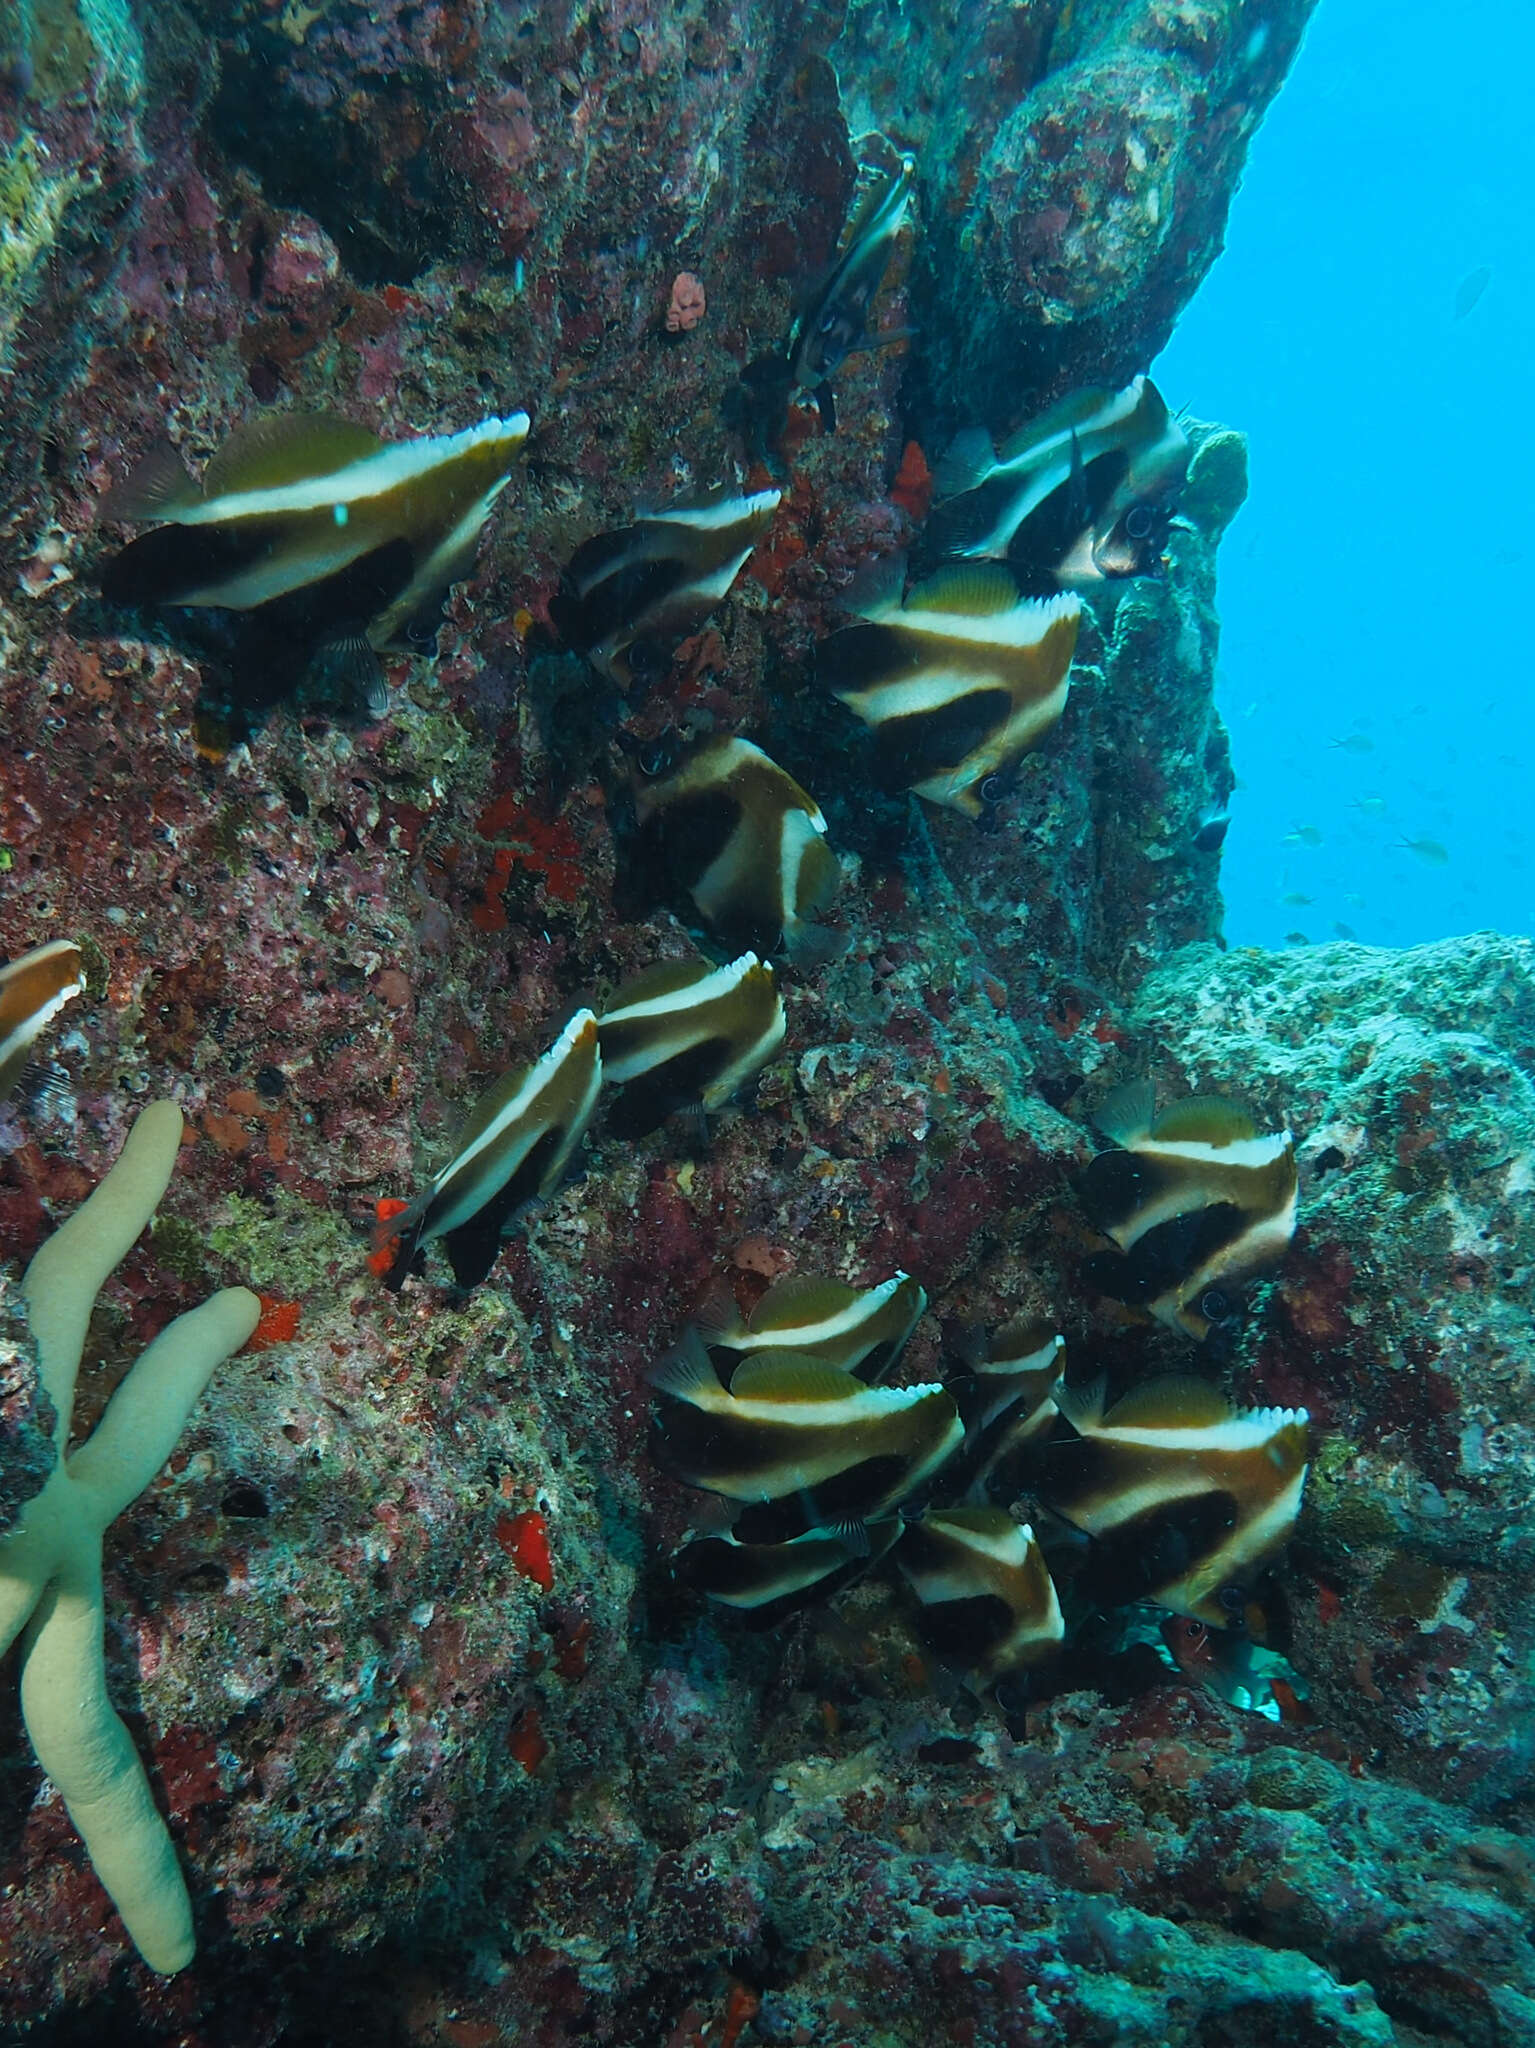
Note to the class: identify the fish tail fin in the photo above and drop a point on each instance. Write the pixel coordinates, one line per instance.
(815, 945)
(1083, 1406)
(717, 1320)
(967, 461)
(687, 1369)
(159, 486)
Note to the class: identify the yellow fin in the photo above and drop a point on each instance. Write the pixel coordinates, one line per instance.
(664, 978)
(1205, 1120)
(798, 1299)
(286, 448)
(969, 589)
(791, 1376)
(1175, 1400)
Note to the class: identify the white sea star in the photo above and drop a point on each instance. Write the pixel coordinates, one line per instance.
(50, 1562)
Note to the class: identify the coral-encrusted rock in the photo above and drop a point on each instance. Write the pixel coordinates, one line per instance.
(27, 1420)
(1402, 1320)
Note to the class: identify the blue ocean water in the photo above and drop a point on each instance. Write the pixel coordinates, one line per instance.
(1370, 326)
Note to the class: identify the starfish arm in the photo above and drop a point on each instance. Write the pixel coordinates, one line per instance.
(149, 1410)
(89, 1755)
(62, 1282)
(29, 1556)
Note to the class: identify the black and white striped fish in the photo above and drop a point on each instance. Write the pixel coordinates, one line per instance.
(34, 987)
(957, 682)
(735, 832)
(336, 544)
(514, 1148)
(686, 1035)
(627, 598)
(986, 1601)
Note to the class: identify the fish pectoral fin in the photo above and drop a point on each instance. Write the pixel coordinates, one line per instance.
(159, 486)
(350, 663)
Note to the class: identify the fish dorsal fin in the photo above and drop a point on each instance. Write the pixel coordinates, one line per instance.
(1173, 1401)
(967, 461)
(1076, 409)
(798, 1299)
(664, 978)
(789, 1376)
(286, 448)
(687, 1370)
(1126, 1112)
(976, 590)
(158, 486)
(1020, 1341)
(1205, 1120)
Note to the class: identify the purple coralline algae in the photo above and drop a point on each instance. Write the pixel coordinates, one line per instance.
(446, 1754)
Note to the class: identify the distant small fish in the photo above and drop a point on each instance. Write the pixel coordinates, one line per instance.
(734, 830)
(1296, 939)
(1355, 743)
(1427, 850)
(1296, 901)
(1079, 494)
(336, 544)
(986, 1601)
(1468, 293)
(795, 1430)
(1345, 932)
(767, 1582)
(686, 1035)
(628, 598)
(1186, 1496)
(34, 987)
(1304, 835)
(1210, 834)
(514, 1147)
(861, 1330)
(957, 682)
(833, 324)
(1196, 1199)
(1372, 806)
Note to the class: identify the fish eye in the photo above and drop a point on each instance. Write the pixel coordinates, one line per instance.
(1139, 521)
(645, 658)
(991, 790)
(659, 755)
(1196, 1632)
(1233, 1599)
(1216, 1306)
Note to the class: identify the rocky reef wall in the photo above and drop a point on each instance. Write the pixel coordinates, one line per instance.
(447, 1757)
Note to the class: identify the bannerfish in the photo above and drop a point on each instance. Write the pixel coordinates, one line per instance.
(861, 1330)
(513, 1149)
(735, 832)
(794, 1429)
(833, 323)
(627, 598)
(337, 544)
(1081, 493)
(1006, 1399)
(1185, 1496)
(1210, 833)
(1196, 1199)
(986, 1601)
(767, 1582)
(34, 987)
(956, 683)
(687, 1035)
